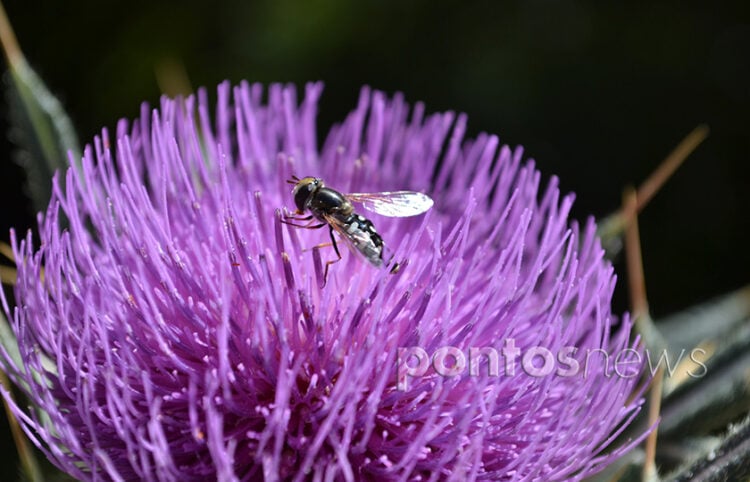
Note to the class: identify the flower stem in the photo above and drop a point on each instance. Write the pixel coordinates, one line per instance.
(644, 323)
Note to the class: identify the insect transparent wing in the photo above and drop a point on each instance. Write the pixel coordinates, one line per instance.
(397, 204)
(357, 241)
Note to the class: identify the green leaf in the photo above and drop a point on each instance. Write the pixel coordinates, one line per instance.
(718, 393)
(729, 461)
(713, 320)
(26, 454)
(9, 341)
(41, 130)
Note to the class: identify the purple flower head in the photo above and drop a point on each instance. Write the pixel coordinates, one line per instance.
(172, 327)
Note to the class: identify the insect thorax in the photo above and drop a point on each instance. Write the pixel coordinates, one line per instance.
(329, 202)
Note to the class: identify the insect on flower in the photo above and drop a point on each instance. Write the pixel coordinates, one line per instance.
(336, 211)
(138, 322)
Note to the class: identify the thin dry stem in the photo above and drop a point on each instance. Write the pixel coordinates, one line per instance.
(639, 307)
(8, 39)
(8, 275)
(615, 223)
(633, 256)
(172, 77)
(669, 165)
(650, 473)
(7, 251)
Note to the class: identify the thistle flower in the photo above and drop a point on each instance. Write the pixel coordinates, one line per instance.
(178, 330)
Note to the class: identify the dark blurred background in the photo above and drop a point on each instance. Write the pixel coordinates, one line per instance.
(597, 92)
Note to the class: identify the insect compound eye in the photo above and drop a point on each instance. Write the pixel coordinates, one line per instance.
(303, 191)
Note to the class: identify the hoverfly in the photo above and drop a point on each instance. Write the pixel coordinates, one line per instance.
(335, 210)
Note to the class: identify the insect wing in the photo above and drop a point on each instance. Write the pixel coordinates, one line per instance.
(358, 241)
(397, 204)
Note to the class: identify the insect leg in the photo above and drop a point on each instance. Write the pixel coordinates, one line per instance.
(329, 263)
(306, 226)
(297, 218)
(321, 245)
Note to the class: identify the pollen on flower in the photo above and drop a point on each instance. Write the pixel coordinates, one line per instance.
(182, 332)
